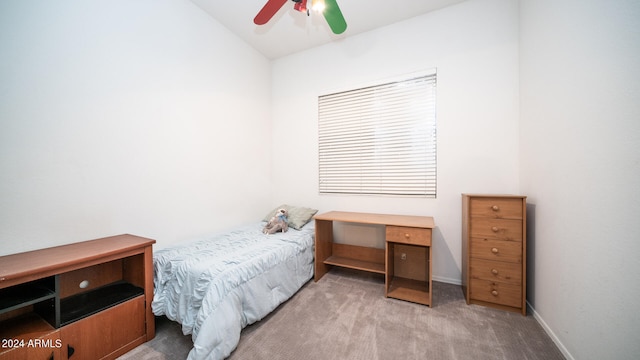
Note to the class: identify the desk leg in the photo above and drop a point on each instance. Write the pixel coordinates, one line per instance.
(323, 247)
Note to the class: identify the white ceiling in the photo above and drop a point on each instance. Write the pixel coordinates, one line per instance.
(290, 31)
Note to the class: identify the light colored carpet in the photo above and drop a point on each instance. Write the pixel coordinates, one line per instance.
(346, 316)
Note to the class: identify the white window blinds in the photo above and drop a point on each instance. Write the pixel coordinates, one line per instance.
(380, 139)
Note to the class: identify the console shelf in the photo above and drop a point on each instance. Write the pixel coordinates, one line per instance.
(24, 326)
(26, 294)
(80, 306)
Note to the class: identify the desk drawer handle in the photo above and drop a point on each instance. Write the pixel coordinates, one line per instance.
(494, 292)
(407, 235)
(494, 271)
(495, 229)
(495, 208)
(494, 250)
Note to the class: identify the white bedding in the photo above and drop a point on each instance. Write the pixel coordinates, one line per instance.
(217, 285)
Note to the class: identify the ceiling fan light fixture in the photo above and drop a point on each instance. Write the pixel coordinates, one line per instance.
(317, 5)
(331, 12)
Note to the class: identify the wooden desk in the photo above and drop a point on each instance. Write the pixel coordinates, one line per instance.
(405, 261)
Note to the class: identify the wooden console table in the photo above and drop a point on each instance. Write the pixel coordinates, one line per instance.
(405, 261)
(88, 300)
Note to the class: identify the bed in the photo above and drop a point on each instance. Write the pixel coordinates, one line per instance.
(216, 285)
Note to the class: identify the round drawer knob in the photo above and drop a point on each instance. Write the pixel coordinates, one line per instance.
(495, 208)
(494, 250)
(407, 235)
(494, 271)
(495, 229)
(494, 292)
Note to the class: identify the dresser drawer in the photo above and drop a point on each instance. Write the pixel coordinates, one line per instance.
(496, 229)
(496, 292)
(408, 235)
(507, 272)
(509, 251)
(499, 208)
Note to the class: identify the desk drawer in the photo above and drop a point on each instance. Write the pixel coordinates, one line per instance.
(409, 235)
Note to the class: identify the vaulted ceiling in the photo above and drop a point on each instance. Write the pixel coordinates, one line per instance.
(290, 31)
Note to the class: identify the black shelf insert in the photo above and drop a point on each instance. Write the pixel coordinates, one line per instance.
(18, 296)
(79, 306)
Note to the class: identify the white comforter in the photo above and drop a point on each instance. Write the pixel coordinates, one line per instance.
(217, 285)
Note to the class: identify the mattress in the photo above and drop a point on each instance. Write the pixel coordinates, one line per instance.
(217, 285)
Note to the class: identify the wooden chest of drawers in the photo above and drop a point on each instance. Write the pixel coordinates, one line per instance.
(494, 251)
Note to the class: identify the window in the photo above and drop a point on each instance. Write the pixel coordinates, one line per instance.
(379, 140)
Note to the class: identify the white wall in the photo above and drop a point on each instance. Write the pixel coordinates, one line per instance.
(474, 46)
(148, 117)
(580, 165)
(145, 117)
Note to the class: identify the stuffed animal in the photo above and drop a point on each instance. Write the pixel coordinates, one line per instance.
(279, 222)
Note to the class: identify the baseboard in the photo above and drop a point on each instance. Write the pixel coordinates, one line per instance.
(549, 332)
(530, 310)
(446, 280)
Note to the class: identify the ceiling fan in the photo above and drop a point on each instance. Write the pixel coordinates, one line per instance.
(329, 9)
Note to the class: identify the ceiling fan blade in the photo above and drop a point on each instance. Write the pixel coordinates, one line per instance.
(334, 17)
(268, 10)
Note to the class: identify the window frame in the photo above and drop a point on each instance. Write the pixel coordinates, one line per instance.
(342, 131)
